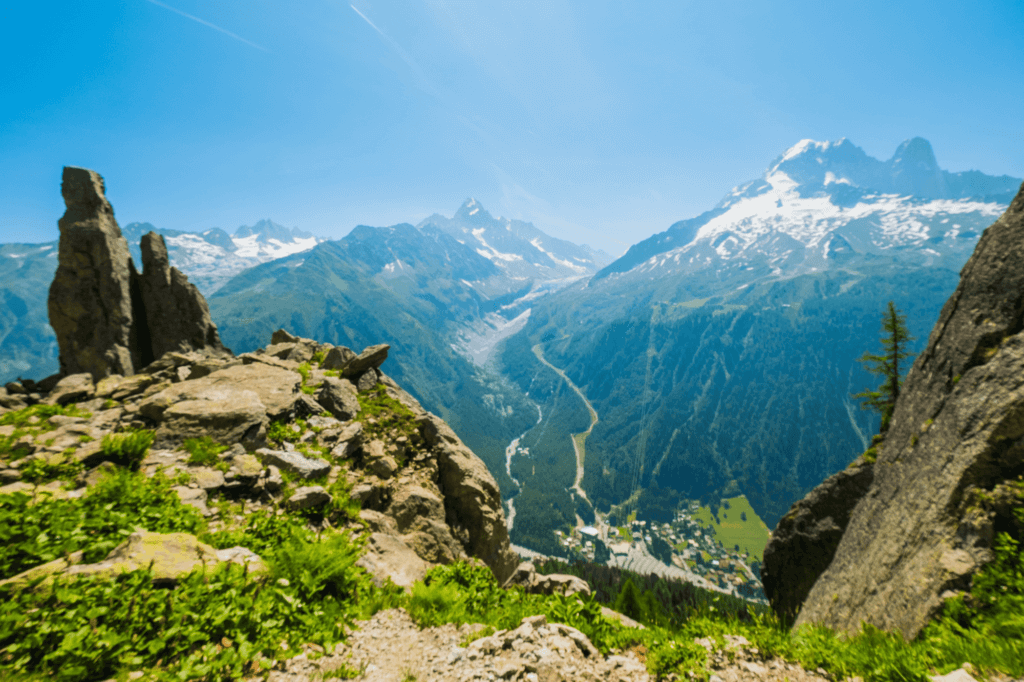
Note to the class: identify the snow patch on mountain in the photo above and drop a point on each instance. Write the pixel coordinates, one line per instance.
(212, 257)
(823, 203)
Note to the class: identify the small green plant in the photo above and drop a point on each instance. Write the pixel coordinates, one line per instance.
(318, 357)
(32, 421)
(956, 380)
(127, 449)
(381, 414)
(109, 403)
(203, 451)
(41, 471)
(871, 455)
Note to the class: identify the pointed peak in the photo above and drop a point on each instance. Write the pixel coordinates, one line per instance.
(472, 209)
(915, 150)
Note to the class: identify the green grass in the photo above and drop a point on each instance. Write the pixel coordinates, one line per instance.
(32, 421)
(127, 449)
(203, 451)
(731, 529)
(389, 416)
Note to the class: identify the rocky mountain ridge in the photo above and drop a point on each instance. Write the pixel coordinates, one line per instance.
(901, 534)
(516, 247)
(821, 205)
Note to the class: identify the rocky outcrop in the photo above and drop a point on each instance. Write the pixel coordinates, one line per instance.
(108, 318)
(805, 541)
(90, 303)
(426, 498)
(526, 577)
(919, 532)
(176, 314)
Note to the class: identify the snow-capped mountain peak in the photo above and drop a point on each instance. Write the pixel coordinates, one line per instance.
(822, 201)
(212, 257)
(516, 247)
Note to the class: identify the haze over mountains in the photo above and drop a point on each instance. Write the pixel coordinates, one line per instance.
(719, 354)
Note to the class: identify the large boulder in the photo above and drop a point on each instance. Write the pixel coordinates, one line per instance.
(919, 533)
(226, 415)
(339, 397)
(177, 316)
(170, 556)
(276, 389)
(90, 301)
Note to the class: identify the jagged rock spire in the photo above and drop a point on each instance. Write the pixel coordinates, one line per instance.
(108, 318)
(90, 303)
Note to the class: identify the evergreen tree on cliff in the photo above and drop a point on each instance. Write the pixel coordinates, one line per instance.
(889, 365)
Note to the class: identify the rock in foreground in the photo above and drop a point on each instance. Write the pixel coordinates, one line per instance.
(923, 527)
(108, 318)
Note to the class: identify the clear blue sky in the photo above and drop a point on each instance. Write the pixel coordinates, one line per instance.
(602, 122)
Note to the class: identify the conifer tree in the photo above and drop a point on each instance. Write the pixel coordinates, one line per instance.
(889, 365)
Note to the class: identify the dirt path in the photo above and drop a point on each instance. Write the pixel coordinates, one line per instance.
(579, 440)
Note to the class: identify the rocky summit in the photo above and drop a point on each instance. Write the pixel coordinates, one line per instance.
(108, 318)
(894, 539)
(425, 497)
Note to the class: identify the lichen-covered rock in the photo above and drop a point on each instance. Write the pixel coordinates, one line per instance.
(914, 537)
(295, 462)
(169, 555)
(90, 301)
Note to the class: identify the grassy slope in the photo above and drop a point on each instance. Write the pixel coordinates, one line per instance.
(730, 528)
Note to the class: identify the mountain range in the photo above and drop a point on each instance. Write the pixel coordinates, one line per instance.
(719, 356)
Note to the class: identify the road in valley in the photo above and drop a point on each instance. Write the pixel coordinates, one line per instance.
(578, 439)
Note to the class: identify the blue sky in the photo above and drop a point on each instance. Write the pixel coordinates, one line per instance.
(602, 122)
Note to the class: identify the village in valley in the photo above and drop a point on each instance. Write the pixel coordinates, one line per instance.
(723, 554)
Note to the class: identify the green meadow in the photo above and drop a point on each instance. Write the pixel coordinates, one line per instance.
(737, 524)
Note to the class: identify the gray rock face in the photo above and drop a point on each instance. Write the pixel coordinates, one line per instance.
(90, 303)
(956, 429)
(295, 462)
(472, 501)
(804, 542)
(338, 396)
(176, 314)
(308, 497)
(72, 389)
(108, 318)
